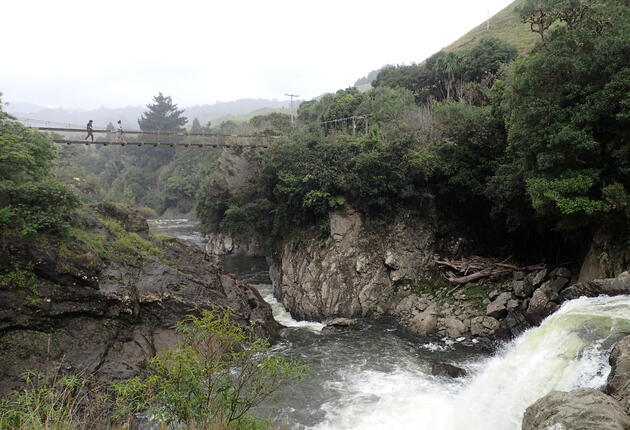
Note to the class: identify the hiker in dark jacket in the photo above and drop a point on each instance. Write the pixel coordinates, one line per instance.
(90, 129)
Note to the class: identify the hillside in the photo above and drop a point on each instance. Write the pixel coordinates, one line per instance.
(247, 116)
(505, 25)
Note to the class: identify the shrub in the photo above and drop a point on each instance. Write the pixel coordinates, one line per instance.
(212, 381)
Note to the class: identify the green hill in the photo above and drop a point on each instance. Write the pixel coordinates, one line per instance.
(246, 117)
(506, 26)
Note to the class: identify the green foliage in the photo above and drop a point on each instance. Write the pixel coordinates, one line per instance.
(18, 277)
(213, 380)
(567, 114)
(25, 155)
(129, 246)
(36, 207)
(273, 124)
(445, 75)
(31, 202)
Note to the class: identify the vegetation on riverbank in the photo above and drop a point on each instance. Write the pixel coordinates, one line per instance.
(212, 381)
(530, 152)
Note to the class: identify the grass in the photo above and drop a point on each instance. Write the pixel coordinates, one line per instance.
(129, 245)
(505, 25)
(59, 403)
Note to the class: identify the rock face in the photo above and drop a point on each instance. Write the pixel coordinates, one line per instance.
(360, 272)
(582, 409)
(106, 315)
(221, 244)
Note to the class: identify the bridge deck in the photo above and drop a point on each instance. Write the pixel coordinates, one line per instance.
(171, 144)
(163, 138)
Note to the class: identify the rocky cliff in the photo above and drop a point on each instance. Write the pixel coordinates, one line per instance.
(106, 300)
(360, 271)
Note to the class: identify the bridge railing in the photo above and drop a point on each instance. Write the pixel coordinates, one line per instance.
(74, 135)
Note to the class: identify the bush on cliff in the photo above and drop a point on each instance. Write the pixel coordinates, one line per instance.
(212, 381)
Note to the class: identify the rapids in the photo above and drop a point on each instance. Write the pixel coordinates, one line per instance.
(380, 377)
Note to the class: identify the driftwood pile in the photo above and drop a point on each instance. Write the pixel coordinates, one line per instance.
(475, 267)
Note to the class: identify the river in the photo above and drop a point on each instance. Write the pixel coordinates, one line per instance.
(380, 377)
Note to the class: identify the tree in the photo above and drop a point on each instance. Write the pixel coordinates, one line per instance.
(538, 15)
(541, 14)
(486, 58)
(196, 126)
(31, 200)
(449, 68)
(568, 114)
(162, 115)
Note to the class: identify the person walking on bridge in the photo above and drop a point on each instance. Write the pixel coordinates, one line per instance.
(119, 133)
(90, 129)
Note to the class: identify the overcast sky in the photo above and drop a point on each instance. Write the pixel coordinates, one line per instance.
(117, 53)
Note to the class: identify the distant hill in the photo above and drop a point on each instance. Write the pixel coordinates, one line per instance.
(129, 115)
(250, 115)
(506, 26)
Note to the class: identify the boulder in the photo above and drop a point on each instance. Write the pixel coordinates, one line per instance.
(447, 370)
(536, 278)
(618, 385)
(582, 409)
(498, 307)
(522, 288)
(425, 322)
(544, 300)
(515, 322)
(341, 324)
(454, 327)
(484, 326)
(608, 287)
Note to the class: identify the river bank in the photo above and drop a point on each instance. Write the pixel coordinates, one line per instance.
(380, 377)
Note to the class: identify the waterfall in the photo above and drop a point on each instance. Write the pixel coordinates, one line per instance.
(568, 350)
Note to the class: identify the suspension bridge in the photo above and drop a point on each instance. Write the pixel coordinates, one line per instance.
(71, 134)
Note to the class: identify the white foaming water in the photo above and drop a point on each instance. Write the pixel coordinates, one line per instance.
(281, 315)
(569, 350)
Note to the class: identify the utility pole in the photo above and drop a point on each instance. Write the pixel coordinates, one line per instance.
(292, 95)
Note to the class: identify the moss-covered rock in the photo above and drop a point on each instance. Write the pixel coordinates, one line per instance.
(104, 299)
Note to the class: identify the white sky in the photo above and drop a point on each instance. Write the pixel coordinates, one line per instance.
(117, 53)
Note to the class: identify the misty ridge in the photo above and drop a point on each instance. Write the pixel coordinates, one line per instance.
(129, 115)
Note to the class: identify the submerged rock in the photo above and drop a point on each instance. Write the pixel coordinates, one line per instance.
(447, 370)
(341, 324)
(582, 409)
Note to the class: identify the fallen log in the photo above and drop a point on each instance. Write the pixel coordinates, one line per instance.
(484, 267)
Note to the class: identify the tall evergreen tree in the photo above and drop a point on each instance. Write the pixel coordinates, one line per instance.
(162, 115)
(196, 126)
